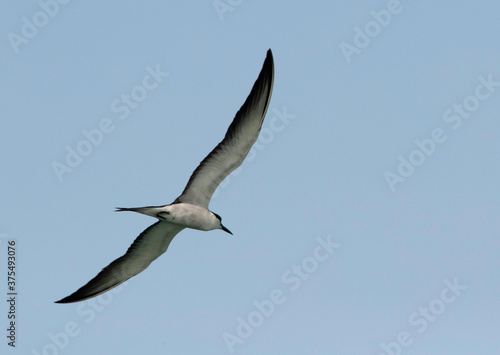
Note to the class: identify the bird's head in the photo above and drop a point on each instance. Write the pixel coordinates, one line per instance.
(220, 224)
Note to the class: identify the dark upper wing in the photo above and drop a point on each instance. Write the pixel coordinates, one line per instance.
(149, 245)
(239, 138)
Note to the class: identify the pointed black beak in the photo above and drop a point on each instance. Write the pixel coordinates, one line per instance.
(225, 229)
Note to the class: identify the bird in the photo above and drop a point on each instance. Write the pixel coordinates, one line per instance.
(191, 208)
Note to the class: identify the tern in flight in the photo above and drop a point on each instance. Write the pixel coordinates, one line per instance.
(190, 209)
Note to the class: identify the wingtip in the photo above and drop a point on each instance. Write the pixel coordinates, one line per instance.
(74, 297)
(269, 55)
(77, 297)
(63, 300)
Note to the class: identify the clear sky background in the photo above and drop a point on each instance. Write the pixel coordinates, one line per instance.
(380, 143)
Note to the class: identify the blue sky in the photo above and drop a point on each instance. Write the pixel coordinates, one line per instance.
(365, 219)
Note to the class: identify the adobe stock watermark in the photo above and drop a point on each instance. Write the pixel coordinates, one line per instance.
(11, 329)
(32, 25)
(292, 278)
(453, 116)
(364, 35)
(223, 6)
(421, 319)
(277, 124)
(122, 107)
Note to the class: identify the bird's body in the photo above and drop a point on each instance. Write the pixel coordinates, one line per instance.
(190, 209)
(183, 214)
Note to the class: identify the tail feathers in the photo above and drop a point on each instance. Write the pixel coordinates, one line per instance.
(132, 209)
(148, 210)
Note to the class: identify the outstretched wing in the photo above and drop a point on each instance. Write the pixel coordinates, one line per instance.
(149, 245)
(232, 150)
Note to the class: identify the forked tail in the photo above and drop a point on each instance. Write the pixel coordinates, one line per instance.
(148, 210)
(132, 209)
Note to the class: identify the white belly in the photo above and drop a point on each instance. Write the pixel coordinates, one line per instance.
(190, 216)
